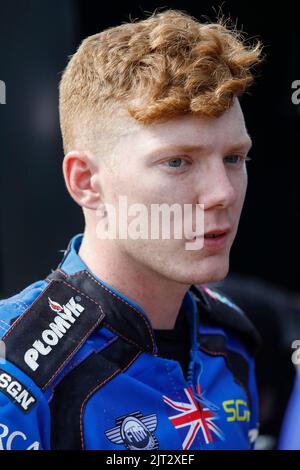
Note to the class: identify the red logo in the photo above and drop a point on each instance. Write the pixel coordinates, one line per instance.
(55, 306)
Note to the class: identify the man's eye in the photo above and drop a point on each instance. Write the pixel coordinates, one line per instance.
(236, 159)
(176, 162)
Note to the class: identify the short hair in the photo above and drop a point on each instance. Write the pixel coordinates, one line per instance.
(166, 65)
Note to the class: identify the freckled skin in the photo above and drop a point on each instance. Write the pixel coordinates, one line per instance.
(207, 180)
(157, 273)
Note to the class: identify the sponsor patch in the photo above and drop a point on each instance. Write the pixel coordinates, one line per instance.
(16, 391)
(134, 431)
(12, 439)
(66, 316)
(51, 330)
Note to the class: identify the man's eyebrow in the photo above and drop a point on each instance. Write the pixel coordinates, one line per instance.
(178, 148)
(248, 143)
(200, 148)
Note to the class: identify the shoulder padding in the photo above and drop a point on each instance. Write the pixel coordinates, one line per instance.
(52, 329)
(219, 310)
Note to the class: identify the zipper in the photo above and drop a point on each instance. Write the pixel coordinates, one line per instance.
(195, 368)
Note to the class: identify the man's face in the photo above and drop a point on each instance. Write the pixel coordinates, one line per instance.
(186, 160)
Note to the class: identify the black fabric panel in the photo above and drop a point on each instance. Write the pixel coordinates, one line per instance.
(120, 316)
(36, 320)
(94, 372)
(215, 344)
(219, 314)
(175, 344)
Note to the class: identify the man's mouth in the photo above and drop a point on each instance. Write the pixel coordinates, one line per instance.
(216, 239)
(214, 235)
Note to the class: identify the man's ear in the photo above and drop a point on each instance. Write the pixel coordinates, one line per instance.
(80, 173)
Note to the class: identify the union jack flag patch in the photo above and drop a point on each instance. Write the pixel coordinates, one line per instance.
(196, 418)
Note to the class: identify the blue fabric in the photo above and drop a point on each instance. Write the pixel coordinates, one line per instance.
(208, 410)
(290, 432)
(20, 431)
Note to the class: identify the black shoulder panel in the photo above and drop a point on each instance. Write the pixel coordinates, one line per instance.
(217, 310)
(72, 393)
(45, 337)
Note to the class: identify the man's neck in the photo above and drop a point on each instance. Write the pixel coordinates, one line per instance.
(159, 298)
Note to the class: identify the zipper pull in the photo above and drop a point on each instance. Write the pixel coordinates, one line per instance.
(193, 376)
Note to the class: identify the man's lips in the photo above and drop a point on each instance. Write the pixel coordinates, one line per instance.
(217, 232)
(214, 233)
(215, 239)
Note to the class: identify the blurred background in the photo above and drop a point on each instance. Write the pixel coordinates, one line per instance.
(37, 217)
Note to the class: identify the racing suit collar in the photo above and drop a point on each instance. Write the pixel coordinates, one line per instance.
(122, 314)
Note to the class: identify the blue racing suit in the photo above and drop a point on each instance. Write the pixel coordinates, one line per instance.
(81, 370)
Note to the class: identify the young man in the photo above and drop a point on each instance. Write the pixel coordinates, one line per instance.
(118, 348)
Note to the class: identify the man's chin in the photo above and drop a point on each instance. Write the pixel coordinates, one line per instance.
(211, 274)
(214, 277)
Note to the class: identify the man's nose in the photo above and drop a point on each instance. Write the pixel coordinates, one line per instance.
(217, 189)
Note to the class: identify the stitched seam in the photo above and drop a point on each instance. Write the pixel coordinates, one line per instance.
(108, 326)
(234, 377)
(114, 295)
(77, 346)
(22, 304)
(81, 293)
(84, 402)
(25, 313)
(95, 389)
(69, 356)
(212, 353)
(107, 343)
(91, 350)
(4, 323)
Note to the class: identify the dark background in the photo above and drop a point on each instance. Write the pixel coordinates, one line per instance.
(37, 217)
